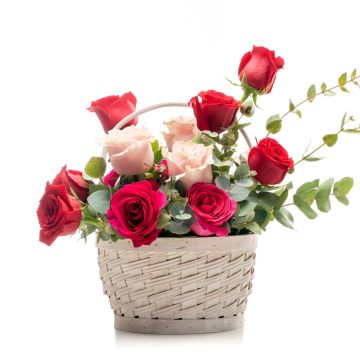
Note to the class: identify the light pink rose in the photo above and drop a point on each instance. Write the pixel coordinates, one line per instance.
(130, 150)
(189, 162)
(180, 128)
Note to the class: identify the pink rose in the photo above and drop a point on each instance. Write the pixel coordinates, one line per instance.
(111, 109)
(181, 128)
(130, 150)
(212, 207)
(190, 162)
(73, 179)
(111, 178)
(135, 210)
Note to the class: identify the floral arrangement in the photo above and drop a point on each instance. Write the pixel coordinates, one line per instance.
(196, 185)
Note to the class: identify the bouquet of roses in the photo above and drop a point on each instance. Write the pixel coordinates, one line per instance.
(197, 184)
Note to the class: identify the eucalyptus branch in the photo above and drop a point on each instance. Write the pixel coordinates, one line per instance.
(312, 94)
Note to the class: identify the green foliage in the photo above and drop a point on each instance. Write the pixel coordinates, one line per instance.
(267, 200)
(157, 151)
(96, 167)
(223, 183)
(284, 217)
(342, 188)
(323, 195)
(330, 139)
(239, 193)
(311, 93)
(342, 81)
(273, 124)
(304, 207)
(313, 158)
(164, 219)
(100, 201)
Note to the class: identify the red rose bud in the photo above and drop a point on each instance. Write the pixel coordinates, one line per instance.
(214, 111)
(111, 178)
(111, 109)
(135, 210)
(258, 69)
(59, 213)
(212, 207)
(73, 179)
(270, 161)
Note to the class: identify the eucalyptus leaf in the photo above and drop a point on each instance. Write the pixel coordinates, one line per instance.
(323, 195)
(352, 131)
(341, 189)
(313, 158)
(164, 219)
(308, 185)
(268, 200)
(311, 93)
(284, 217)
(247, 182)
(253, 227)
(95, 167)
(100, 201)
(304, 207)
(245, 207)
(330, 139)
(261, 217)
(239, 193)
(223, 183)
(342, 79)
(242, 171)
(178, 228)
(273, 124)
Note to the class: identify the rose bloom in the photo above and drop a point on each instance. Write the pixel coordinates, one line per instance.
(270, 161)
(130, 150)
(181, 128)
(259, 67)
(111, 178)
(190, 162)
(214, 111)
(59, 213)
(135, 210)
(73, 179)
(212, 207)
(111, 109)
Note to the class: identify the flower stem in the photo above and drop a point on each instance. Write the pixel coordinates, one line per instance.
(318, 93)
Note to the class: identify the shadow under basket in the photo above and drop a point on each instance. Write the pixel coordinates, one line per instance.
(178, 285)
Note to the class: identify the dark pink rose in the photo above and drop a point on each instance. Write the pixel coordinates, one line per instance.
(135, 210)
(111, 178)
(212, 207)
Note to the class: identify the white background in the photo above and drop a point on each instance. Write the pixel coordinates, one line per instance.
(57, 56)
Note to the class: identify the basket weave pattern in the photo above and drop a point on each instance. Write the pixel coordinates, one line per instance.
(178, 284)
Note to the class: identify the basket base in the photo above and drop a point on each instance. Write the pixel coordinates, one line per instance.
(178, 327)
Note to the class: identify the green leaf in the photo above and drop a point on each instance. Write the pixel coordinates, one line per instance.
(307, 186)
(177, 208)
(89, 212)
(311, 93)
(329, 93)
(245, 207)
(283, 196)
(100, 201)
(96, 167)
(313, 158)
(323, 87)
(268, 200)
(247, 182)
(304, 207)
(342, 79)
(330, 139)
(284, 217)
(223, 183)
(155, 146)
(164, 219)
(297, 112)
(291, 106)
(253, 227)
(96, 187)
(323, 195)
(353, 77)
(308, 196)
(343, 121)
(239, 193)
(273, 124)
(261, 217)
(352, 131)
(178, 228)
(342, 188)
(242, 171)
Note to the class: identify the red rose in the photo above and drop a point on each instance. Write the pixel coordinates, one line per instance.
(135, 210)
(111, 178)
(59, 213)
(259, 67)
(214, 110)
(212, 207)
(270, 160)
(111, 109)
(73, 179)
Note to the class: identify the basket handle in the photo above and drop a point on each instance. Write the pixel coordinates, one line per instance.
(144, 110)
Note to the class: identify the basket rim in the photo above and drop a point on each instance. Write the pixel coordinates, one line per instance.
(189, 243)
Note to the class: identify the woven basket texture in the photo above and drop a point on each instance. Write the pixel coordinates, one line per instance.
(178, 278)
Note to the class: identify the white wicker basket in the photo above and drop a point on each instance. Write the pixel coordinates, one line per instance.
(178, 285)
